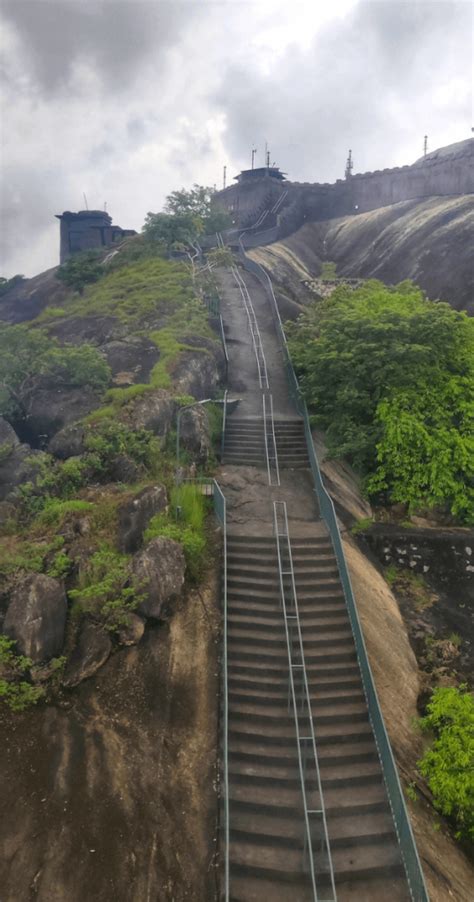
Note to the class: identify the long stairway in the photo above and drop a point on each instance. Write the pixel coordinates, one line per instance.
(266, 838)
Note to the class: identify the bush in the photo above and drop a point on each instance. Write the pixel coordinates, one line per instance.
(448, 764)
(80, 270)
(17, 693)
(104, 592)
(189, 529)
(390, 376)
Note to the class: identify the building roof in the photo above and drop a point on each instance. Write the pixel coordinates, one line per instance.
(261, 172)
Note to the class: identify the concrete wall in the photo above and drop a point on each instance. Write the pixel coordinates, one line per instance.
(87, 230)
(451, 173)
(447, 555)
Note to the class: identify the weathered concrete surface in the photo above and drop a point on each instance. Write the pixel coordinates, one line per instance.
(110, 796)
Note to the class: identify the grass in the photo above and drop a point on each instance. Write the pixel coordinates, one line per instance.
(411, 585)
(361, 525)
(188, 528)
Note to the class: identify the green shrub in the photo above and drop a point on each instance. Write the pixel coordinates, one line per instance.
(17, 693)
(80, 270)
(448, 764)
(188, 529)
(390, 376)
(328, 271)
(56, 510)
(104, 592)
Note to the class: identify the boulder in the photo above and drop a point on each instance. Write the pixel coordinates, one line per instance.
(124, 469)
(50, 406)
(135, 514)
(8, 436)
(91, 652)
(68, 442)
(135, 356)
(199, 372)
(155, 410)
(132, 632)
(17, 466)
(92, 329)
(195, 434)
(36, 617)
(158, 575)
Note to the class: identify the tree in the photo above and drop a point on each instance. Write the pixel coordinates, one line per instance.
(448, 764)
(172, 229)
(390, 376)
(7, 284)
(187, 214)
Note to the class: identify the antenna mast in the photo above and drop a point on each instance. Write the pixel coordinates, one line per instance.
(267, 156)
(349, 165)
(425, 146)
(85, 200)
(225, 176)
(254, 151)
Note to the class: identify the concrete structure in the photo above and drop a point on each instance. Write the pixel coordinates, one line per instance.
(87, 230)
(447, 171)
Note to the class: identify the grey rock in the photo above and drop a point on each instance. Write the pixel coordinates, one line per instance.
(195, 434)
(8, 512)
(8, 435)
(68, 442)
(135, 515)
(51, 406)
(91, 652)
(133, 632)
(93, 329)
(198, 373)
(158, 575)
(124, 469)
(155, 410)
(36, 617)
(134, 355)
(16, 467)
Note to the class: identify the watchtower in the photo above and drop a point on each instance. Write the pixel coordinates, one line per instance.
(87, 230)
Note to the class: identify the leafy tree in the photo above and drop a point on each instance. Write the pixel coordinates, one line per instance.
(187, 214)
(80, 270)
(390, 376)
(26, 353)
(172, 229)
(448, 764)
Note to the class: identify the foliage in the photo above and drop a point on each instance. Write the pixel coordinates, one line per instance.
(390, 376)
(104, 593)
(328, 271)
(172, 230)
(80, 270)
(55, 510)
(189, 529)
(26, 555)
(7, 284)
(60, 566)
(27, 353)
(16, 692)
(187, 213)
(221, 256)
(361, 525)
(448, 764)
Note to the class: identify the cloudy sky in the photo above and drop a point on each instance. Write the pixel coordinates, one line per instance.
(125, 100)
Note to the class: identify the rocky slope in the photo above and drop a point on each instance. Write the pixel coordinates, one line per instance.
(428, 241)
(107, 648)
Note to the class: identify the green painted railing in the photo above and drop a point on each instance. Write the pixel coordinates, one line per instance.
(406, 840)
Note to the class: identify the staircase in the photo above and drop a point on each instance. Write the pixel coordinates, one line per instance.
(244, 443)
(266, 822)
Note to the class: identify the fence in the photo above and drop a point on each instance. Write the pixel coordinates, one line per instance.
(401, 820)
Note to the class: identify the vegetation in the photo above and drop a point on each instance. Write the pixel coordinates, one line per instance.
(7, 284)
(184, 524)
(80, 270)
(104, 593)
(187, 214)
(28, 353)
(15, 691)
(448, 764)
(328, 271)
(390, 376)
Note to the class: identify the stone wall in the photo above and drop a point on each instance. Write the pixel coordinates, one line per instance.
(447, 555)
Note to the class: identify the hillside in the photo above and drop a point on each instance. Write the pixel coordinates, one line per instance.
(427, 241)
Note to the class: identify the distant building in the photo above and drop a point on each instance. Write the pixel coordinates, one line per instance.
(87, 230)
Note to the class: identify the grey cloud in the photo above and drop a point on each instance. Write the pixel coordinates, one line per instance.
(113, 36)
(360, 85)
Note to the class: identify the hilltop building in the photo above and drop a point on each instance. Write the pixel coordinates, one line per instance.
(87, 230)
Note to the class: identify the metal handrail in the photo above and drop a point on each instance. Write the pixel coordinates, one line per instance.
(279, 202)
(273, 469)
(254, 329)
(224, 423)
(221, 514)
(292, 620)
(403, 828)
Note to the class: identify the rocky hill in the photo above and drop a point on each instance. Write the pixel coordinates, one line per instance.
(428, 241)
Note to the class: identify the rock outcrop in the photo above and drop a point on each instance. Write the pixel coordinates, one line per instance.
(158, 575)
(134, 516)
(91, 652)
(36, 617)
